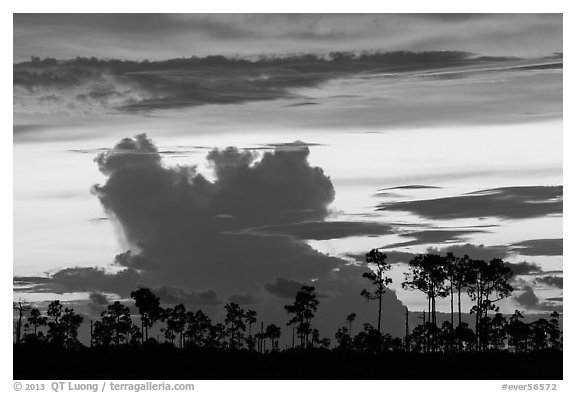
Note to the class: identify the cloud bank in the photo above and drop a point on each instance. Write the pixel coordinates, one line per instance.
(87, 85)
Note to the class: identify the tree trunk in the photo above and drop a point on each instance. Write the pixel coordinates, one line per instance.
(451, 305)
(407, 331)
(19, 326)
(478, 297)
(459, 307)
(434, 344)
(379, 311)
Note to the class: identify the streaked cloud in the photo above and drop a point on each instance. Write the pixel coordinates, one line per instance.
(504, 202)
(539, 247)
(325, 230)
(552, 281)
(433, 236)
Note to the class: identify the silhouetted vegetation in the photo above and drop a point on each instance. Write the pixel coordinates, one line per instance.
(494, 337)
(377, 278)
(303, 309)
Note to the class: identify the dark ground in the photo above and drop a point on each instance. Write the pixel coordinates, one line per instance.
(170, 363)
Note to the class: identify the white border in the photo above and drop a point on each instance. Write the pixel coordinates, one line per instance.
(245, 6)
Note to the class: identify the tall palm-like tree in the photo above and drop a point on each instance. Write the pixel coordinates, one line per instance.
(350, 319)
(149, 307)
(303, 309)
(377, 261)
(235, 317)
(273, 333)
(250, 317)
(489, 278)
(21, 306)
(117, 319)
(36, 319)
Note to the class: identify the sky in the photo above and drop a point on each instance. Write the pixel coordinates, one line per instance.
(219, 158)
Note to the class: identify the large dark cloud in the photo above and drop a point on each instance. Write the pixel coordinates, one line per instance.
(505, 202)
(192, 230)
(187, 232)
(87, 84)
(539, 247)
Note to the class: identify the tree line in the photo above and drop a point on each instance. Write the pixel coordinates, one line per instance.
(436, 276)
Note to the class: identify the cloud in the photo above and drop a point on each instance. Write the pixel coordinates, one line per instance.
(325, 230)
(242, 299)
(97, 302)
(487, 253)
(432, 236)
(505, 202)
(552, 281)
(98, 299)
(474, 251)
(523, 268)
(84, 279)
(190, 234)
(409, 187)
(391, 256)
(290, 145)
(283, 287)
(342, 289)
(530, 301)
(85, 85)
(171, 295)
(539, 247)
(140, 36)
(555, 299)
(19, 129)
